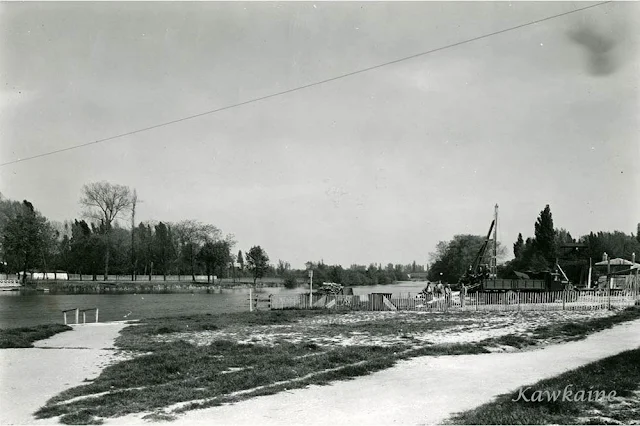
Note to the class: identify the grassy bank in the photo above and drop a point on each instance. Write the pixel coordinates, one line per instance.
(532, 405)
(25, 336)
(205, 360)
(565, 332)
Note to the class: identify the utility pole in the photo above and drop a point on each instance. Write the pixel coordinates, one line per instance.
(134, 201)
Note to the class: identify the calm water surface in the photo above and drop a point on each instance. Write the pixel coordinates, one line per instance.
(18, 310)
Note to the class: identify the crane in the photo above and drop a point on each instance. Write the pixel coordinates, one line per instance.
(475, 274)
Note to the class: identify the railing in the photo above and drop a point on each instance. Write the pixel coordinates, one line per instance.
(84, 314)
(508, 301)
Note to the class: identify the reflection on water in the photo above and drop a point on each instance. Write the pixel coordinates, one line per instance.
(18, 310)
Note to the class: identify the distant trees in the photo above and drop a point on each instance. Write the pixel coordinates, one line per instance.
(85, 249)
(192, 235)
(355, 275)
(105, 202)
(538, 253)
(257, 262)
(282, 267)
(452, 258)
(549, 243)
(25, 238)
(215, 256)
(163, 247)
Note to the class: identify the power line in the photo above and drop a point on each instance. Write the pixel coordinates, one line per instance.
(307, 86)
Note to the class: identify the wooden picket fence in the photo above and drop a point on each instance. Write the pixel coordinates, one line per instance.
(509, 301)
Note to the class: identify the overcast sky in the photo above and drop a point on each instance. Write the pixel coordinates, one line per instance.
(376, 167)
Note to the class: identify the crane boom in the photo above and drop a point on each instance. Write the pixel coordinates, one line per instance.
(483, 249)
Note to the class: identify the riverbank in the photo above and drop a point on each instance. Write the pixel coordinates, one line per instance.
(208, 360)
(29, 377)
(136, 287)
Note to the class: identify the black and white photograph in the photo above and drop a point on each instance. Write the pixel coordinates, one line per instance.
(319, 213)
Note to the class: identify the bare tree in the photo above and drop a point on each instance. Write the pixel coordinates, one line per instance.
(105, 202)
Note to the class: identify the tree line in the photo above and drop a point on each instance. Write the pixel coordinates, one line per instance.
(97, 244)
(536, 254)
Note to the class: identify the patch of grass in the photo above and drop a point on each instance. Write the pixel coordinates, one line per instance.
(82, 417)
(159, 417)
(25, 336)
(577, 331)
(619, 373)
(512, 340)
(451, 349)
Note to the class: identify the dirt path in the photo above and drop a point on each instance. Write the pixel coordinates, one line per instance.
(29, 377)
(424, 390)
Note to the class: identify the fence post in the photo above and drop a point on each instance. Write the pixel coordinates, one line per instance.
(97, 310)
(84, 317)
(77, 315)
(250, 301)
(64, 314)
(564, 293)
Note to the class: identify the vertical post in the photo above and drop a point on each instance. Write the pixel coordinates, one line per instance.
(250, 300)
(634, 286)
(97, 310)
(311, 289)
(609, 277)
(77, 315)
(65, 317)
(84, 317)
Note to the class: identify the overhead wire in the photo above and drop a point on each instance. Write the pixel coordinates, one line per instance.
(299, 88)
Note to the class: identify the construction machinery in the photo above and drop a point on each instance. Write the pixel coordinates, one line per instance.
(482, 273)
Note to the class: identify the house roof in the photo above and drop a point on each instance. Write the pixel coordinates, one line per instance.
(617, 262)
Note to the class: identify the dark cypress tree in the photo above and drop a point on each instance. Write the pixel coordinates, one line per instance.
(240, 259)
(545, 236)
(518, 246)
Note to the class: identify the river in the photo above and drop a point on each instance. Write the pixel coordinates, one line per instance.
(20, 310)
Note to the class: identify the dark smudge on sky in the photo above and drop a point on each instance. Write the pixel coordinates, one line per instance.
(600, 50)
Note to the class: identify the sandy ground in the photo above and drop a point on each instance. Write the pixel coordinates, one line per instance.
(425, 390)
(30, 376)
(470, 328)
